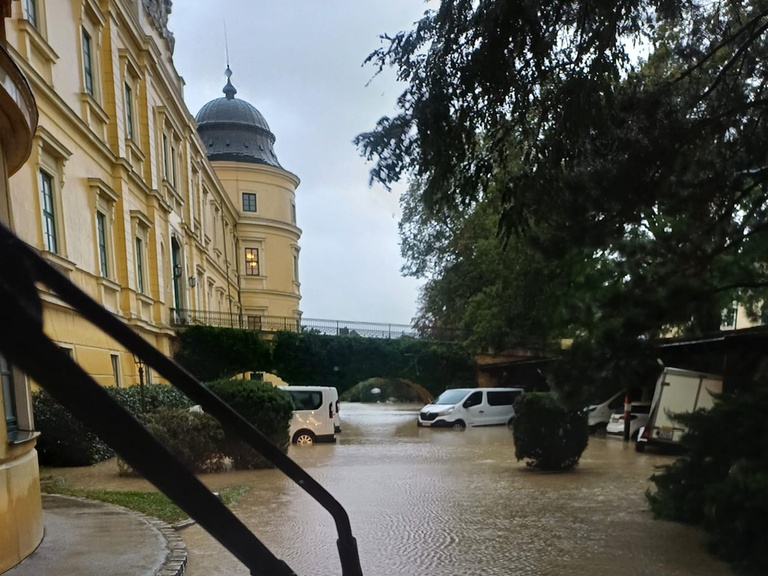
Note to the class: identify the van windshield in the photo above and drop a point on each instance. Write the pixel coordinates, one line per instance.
(450, 397)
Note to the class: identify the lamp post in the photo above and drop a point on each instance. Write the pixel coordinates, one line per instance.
(140, 366)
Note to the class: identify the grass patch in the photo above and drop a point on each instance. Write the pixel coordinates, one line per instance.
(152, 504)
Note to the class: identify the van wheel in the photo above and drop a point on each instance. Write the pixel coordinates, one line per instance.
(639, 446)
(459, 425)
(304, 438)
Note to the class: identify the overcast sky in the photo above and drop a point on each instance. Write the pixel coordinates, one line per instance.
(299, 62)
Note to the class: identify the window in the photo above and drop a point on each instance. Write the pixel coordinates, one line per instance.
(295, 268)
(475, 399)
(128, 112)
(505, 398)
(101, 237)
(87, 63)
(9, 401)
(165, 156)
(306, 400)
(30, 9)
(251, 261)
(116, 368)
(293, 212)
(140, 265)
(173, 166)
(50, 240)
(249, 202)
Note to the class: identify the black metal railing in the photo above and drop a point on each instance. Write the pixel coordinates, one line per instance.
(23, 343)
(184, 317)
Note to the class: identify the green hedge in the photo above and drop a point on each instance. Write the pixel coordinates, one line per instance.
(721, 481)
(156, 397)
(548, 435)
(195, 439)
(64, 441)
(266, 407)
(211, 353)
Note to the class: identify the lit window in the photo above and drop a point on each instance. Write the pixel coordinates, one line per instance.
(101, 234)
(49, 217)
(251, 261)
(128, 112)
(87, 62)
(249, 202)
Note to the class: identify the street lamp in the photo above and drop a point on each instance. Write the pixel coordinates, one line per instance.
(140, 365)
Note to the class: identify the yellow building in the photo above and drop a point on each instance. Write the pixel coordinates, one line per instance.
(118, 193)
(21, 521)
(239, 145)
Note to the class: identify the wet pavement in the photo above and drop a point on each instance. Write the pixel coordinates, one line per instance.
(453, 503)
(87, 538)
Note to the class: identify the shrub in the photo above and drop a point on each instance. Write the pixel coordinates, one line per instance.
(64, 440)
(266, 407)
(721, 482)
(156, 397)
(195, 439)
(548, 435)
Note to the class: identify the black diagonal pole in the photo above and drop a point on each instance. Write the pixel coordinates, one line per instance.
(20, 313)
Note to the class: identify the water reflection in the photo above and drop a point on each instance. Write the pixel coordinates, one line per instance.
(445, 502)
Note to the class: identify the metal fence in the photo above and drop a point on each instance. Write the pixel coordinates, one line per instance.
(183, 317)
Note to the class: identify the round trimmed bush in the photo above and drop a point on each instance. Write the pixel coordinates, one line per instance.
(266, 407)
(195, 439)
(546, 434)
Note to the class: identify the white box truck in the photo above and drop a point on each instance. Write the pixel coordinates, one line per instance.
(677, 391)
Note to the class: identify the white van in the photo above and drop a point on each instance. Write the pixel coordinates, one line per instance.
(336, 410)
(462, 407)
(599, 415)
(313, 414)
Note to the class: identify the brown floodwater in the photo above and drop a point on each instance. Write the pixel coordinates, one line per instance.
(457, 503)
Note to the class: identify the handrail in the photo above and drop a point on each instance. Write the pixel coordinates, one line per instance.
(184, 317)
(23, 342)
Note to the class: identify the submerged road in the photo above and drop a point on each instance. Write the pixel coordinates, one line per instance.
(457, 503)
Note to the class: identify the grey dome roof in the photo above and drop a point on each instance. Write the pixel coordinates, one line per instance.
(233, 130)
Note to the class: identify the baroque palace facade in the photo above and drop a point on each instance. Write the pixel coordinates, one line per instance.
(160, 217)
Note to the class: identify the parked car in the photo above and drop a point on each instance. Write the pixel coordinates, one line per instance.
(598, 415)
(462, 407)
(313, 414)
(638, 418)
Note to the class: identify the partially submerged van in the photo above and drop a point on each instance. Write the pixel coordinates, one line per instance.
(462, 407)
(313, 414)
(677, 391)
(336, 410)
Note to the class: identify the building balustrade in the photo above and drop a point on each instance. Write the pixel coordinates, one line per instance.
(263, 323)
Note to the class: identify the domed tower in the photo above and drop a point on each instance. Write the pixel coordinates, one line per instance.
(239, 146)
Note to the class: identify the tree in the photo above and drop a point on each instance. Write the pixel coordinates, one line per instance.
(629, 133)
(501, 294)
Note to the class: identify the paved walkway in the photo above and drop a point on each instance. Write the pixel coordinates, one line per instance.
(87, 538)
